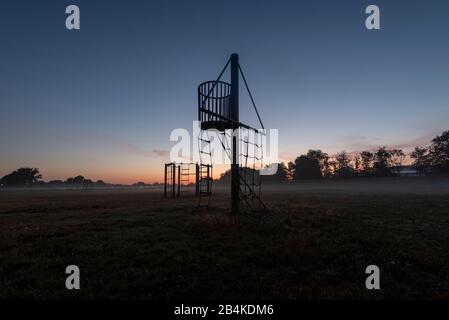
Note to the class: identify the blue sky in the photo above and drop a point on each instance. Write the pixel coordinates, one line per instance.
(103, 100)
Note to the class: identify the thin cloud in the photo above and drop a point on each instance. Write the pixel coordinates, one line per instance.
(161, 153)
(354, 144)
(133, 149)
(126, 146)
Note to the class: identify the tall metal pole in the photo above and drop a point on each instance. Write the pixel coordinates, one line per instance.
(197, 179)
(235, 177)
(165, 181)
(174, 180)
(179, 180)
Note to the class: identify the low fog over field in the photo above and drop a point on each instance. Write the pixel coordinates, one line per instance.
(133, 243)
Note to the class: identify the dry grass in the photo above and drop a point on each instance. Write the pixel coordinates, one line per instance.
(135, 244)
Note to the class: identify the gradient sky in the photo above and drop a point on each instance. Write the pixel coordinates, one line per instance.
(102, 101)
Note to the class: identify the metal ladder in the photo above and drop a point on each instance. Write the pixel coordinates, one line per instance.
(250, 188)
(205, 169)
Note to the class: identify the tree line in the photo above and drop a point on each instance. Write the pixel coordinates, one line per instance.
(382, 162)
(316, 164)
(31, 176)
(24, 177)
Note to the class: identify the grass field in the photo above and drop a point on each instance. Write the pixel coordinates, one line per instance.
(134, 244)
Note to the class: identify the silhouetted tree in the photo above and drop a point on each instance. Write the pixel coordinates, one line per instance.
(439, 152)
(291, 170)
(367, 162)
(421, 158)
(307, 168)
(21, 177)
(76, 180)
(333, 166)
(382, 162)
(247, 173)
(357, 163)
(225, 176)
(87, 184)
(327, 168)
(56, 182)
(342, 159)
(281, 174)
(322, 158)
(397, 158)
(343, 167)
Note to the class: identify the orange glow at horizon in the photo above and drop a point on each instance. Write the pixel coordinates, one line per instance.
(152, 174)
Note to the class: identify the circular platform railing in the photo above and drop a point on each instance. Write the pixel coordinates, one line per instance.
(214, 105)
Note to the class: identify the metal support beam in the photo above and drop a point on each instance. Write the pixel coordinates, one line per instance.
(235, 179)
(197, 180)
(179, 180)
(174, 180)
(165, 181)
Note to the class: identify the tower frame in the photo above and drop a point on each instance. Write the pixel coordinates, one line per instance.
(218, 108)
